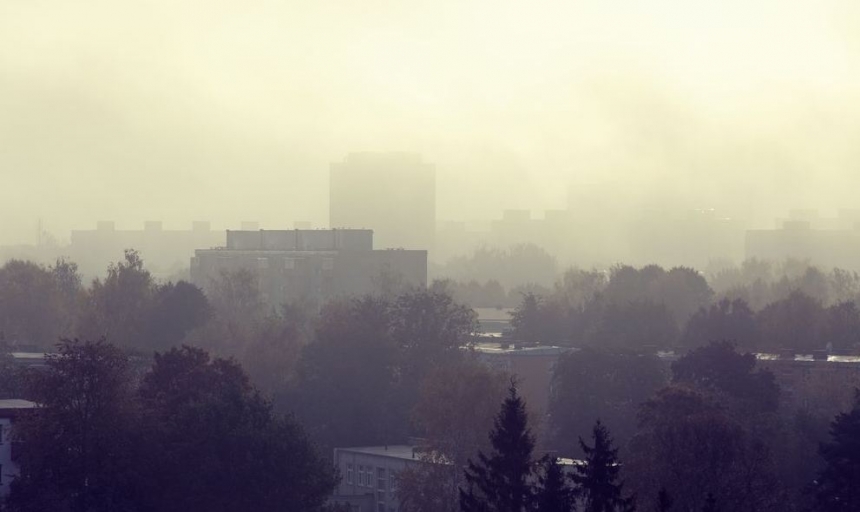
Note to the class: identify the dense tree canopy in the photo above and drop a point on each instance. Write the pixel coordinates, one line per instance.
(591, 384)
(836, 489)
(718, 367)
(194, 435)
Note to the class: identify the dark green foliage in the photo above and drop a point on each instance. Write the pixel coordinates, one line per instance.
(219, 446)
(590, 384)
(710, 504)
(597, 479)
(636, 325)
(10, 378)
(498, 482)
(527, 321)
(689, 445)
(682, 290)
(37, 304)
(719, 367)
(726, 320)
(552, 493)
(843, 326)
(347, 377)
(664, 501)
(78, 450)
(796, 322)
(117, 307)
(838, 486)
(361, 376)
(194, 436)
(175, 310)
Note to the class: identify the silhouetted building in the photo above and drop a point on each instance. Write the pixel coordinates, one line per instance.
(827, 242)
(165, 252)
(689, 238)
(311, 264)
(533, 367)
(394, 194)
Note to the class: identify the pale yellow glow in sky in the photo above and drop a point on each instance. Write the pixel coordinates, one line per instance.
(227, 110)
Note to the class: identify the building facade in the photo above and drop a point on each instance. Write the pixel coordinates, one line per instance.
(369, 476)
(314, 265)
(532, 367)
(165, 252)
(9, 410)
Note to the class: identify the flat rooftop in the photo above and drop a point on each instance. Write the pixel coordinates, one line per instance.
(394, 451)
(11, 404)
(488, 348)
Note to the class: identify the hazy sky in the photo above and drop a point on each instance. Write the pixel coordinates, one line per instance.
(223, 110)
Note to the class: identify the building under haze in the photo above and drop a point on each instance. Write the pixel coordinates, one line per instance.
(369, 476)
(314, 265)
(394, 194)
(824, 241)
(165, 252)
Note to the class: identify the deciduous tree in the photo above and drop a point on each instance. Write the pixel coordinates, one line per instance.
(836, 488)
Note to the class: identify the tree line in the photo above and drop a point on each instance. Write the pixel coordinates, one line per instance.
(703, 443)
(650, 309)
(189, 432)
(387, 367)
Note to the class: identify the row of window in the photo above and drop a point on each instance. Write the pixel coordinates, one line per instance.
(365, 477)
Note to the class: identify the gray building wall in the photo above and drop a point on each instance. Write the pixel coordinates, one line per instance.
(383, 464)
(315, 265)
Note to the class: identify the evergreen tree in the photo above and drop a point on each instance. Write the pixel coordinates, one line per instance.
(664, 501)
(710, 504)
(597, 479)
(552, 493)
(499, 482)
(838, 486)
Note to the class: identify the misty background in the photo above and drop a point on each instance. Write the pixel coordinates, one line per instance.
(227, 111)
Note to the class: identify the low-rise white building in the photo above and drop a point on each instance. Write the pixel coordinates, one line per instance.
(369, 476)
(9, 410)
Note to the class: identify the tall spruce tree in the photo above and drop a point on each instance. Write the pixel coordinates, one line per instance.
(552, 493)
(500, 482)
(710, 504)
(664, 501)
(838, 485)
(597, 479)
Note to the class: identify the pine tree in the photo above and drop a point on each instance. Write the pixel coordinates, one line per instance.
(597, 478)
(552, 494)
(838, 485)
(499, 482)
(664, 501)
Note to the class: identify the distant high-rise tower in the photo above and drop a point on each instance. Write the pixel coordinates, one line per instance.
(394, 194)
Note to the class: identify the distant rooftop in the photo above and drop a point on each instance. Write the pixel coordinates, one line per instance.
(401, 451)
(488, 348)
(15, 404)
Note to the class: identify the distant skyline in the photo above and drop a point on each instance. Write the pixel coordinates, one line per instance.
(226, 111)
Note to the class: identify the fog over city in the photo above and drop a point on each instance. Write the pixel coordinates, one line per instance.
(228, 111)
(429, 256)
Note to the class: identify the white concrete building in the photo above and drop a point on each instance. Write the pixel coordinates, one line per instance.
(369, 476)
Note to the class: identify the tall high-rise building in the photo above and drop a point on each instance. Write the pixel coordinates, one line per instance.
(394, 194)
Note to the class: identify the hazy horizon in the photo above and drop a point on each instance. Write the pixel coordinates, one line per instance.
(226, 112)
